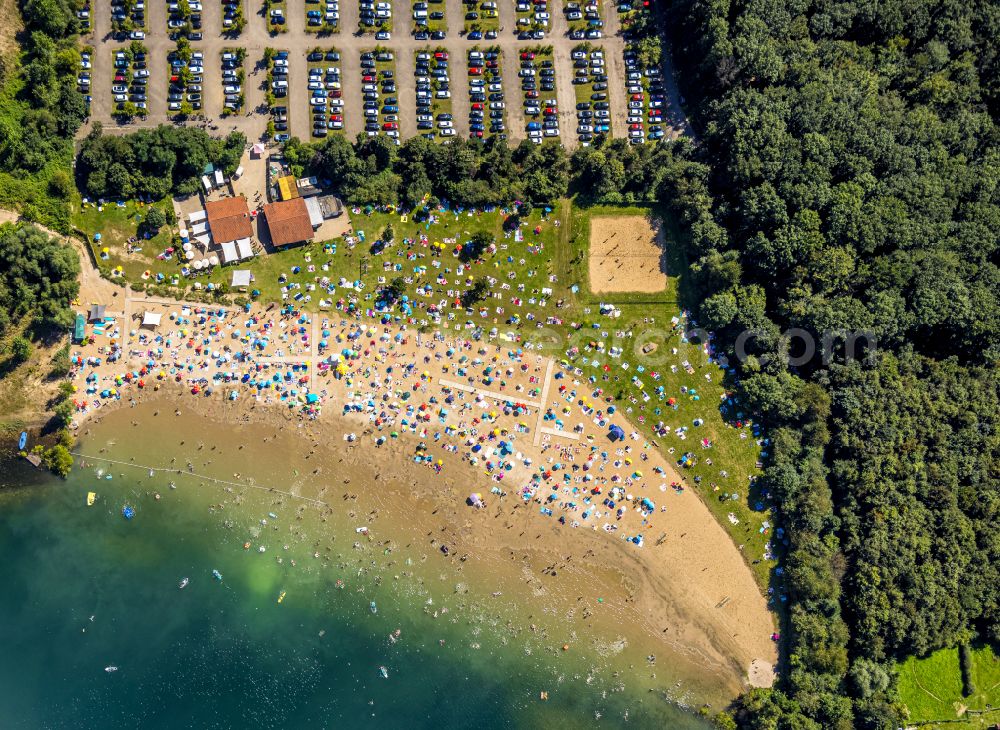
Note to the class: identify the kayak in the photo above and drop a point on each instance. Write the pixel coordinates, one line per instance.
(281, 597)
(373, 607)
(183, 583)
(22, 441)
(127, 512)
(217, 575)
(91, 496)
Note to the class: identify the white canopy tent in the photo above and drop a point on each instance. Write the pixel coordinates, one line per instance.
(198, 216)
(151, 319)
(229, 252)
(245, 249)
(241, 278)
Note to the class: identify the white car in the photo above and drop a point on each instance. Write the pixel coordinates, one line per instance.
(174, 106)
(447, 132)
(137, 35)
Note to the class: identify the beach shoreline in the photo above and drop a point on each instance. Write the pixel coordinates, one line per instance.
(693, 594)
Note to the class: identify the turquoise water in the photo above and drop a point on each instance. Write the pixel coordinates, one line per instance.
(85, 589)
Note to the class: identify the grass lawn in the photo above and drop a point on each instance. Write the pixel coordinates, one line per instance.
(440, 106)
(323, 65)
(526, 20)
(489, 18)
(276, 98)
(584, 91)
(432, 25)
(116, 226)
(555, 322)
(324, 27)
(582, 23)
(241, 74)
(381, 66)
(931, 689)
(283, 7)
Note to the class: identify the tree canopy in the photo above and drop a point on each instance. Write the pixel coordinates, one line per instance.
(38, 278)
(166, 160)
(852, 189)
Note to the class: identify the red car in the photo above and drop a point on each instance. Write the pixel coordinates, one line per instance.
(368, 79)
(390, 125)
(475, 71)
(441, 55)
(476, 135)
(530, 94)
(336, 118)
(636, 97)
(635, 126)
(477, 106)
(527, 56)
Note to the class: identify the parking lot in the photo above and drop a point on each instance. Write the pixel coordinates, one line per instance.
(201, 87)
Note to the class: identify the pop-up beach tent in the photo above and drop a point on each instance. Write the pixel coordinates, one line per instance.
(615, 433)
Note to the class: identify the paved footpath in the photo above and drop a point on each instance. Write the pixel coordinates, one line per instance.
(255, 39)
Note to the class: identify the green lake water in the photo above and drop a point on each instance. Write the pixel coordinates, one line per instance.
(84, 589)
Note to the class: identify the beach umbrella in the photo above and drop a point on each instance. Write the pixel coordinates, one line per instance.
(214, 260)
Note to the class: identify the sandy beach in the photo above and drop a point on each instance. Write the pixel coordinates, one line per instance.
(507, 455)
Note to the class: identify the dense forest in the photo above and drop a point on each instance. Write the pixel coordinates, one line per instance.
(38, 279)
(152, 163)
(373, 170)
(852, 188)
(40, 111)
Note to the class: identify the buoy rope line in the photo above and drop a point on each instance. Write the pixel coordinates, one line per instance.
(175, 470)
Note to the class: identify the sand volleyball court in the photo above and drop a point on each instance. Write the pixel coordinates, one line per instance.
(627, 254)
